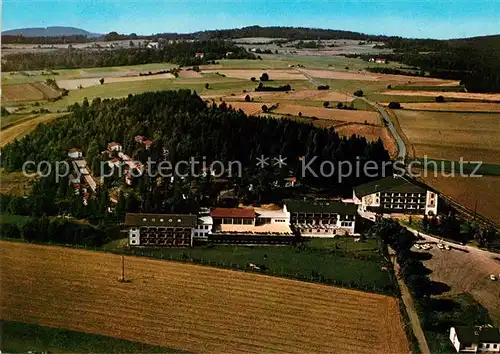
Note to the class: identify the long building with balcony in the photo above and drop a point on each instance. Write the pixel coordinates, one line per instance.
(328, 218)
(395, 195)
(160, 230)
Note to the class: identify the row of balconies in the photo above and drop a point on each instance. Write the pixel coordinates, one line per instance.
(404, 201)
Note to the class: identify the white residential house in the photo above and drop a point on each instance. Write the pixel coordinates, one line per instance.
(114, 146)
(153, 45)
(203, 228)
(75, 153)
(475, 339)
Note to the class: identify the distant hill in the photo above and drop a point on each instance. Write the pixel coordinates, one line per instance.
(55, 31)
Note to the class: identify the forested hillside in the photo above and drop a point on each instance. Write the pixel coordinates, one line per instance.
(182, 53)
(182, 126)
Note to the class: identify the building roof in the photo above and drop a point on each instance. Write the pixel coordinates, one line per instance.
(147, 142)
(114, 143)
(75, 150)
(166, 220)
(392, 184)
(205, 220)
(478, 334)
(266, 213)
(233, 213)
(327, 206)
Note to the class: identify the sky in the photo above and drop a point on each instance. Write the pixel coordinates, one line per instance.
(409, 18)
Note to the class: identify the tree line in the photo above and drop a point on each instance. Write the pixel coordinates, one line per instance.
(182, 53)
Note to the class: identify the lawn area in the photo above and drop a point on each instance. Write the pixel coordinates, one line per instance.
(17, 337)
(340, 261)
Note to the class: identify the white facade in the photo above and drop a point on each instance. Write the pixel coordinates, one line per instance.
(133, 236)
(204, 228)
(264, 216)
(431, 203)
(115, 147)
(75, 154)
(476, 346)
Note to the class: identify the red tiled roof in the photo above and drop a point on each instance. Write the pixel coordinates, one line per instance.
(114, 144)
(114, 160)
(75, 150)
(147, 142)
(233, 213)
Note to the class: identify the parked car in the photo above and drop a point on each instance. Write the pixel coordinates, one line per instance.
(493, 277)
(440, 246)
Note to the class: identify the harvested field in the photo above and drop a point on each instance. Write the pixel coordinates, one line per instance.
(481, 193)
(188, 74)
(20, 129)
(367, 76)
(462, 95)
(448, 267)
(450, 135)
(250, 108)
(73, 84)
(454, 106)
(27, 92)
(329, 113)
(371, 133)
(192, 308)
(312, 95)
(247, 74)
(14, 183)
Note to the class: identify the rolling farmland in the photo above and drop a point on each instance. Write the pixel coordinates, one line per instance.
(190, 307)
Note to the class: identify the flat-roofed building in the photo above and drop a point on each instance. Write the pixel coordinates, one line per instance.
(233, 216)
(321, 218)
(160, 230)
(395, 195)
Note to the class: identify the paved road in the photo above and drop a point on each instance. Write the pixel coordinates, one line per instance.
(392, 129)
(399, 141)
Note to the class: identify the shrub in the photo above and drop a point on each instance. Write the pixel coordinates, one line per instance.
(247, 98)
(394, 105)
(264, 108)
(300, 114)
(323, 87)
(326, 104)
(339, 105)
(359, 93)
(207, 85)
(264, 77)
(439, 98)
(253, 79)
(101, 81)
(389, 87)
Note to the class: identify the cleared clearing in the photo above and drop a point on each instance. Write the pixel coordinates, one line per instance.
(248, 73)
(190, 307)
(27, 92)
(18, 130)
(479, 194)
(329, 113)
(454, 106)
(451, 135)
(250, 108)
(462, 95)
(311, 95)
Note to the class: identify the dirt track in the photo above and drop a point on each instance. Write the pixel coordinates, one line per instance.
(191, 307)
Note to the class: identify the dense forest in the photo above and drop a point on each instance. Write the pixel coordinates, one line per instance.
(182, 126)
(182, 53)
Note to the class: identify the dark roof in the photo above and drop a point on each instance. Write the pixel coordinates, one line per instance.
(233, 213)
(167, 220)
(388, 184)
(483, 334)
(329, 206)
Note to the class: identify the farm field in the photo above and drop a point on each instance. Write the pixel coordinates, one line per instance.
(371, 133)
(23, 127)
(461, 95)
(274, 74)
(27, 92)
(467, 191)
(73, 84)
(20, 337)
(455, 106)
(449, 136)
(329, 113)
(192, 308)
(14, 183)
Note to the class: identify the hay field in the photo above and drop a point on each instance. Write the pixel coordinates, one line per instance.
(367, 76)
(371, 133)
(73, 84)
(248, 73)
(329, 113)
(461, 95)
(454, 106)
(190, 307)
(450, 135)
(250, 108)
(466, 191)
(27, 92)
(300, 95)
(18, 130)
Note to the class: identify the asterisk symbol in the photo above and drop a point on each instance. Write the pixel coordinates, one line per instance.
(262, 161)
(279, 161)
